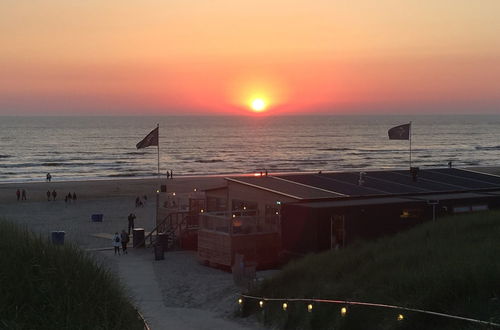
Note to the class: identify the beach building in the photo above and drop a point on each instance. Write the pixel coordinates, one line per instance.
(264, 216)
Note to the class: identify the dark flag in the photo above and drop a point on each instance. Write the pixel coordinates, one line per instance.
(401, 132)
(150, 140)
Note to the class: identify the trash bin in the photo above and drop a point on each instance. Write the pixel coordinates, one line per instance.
(57, 237)
(96, 217)
(162, 240)
(138, 237)
(159, 253)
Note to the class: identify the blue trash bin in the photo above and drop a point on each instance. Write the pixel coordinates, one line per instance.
(58, 237)
(96, 217)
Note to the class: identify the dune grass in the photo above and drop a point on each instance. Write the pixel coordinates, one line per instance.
(451, 266)
(43, 286)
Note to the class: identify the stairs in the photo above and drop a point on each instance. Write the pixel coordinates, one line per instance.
(174, 227)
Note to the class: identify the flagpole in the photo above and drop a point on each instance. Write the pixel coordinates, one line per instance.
(159, 180)
(158, 126)
(410, 144)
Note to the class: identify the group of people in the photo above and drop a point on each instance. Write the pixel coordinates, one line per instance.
(21, 195)
(170, 174)
(67, 198)
(121, 240)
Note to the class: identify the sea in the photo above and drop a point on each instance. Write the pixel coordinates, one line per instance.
(82, 148)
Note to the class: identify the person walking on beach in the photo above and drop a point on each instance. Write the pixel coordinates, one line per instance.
(131, 218)
(54, 195)
(124, 239)
(23, 195)
(49, 177)
(69, 197)
(48, 195)
(74, 196)
(116, 243)
(18, 194)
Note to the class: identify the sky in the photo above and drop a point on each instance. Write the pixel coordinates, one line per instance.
(177, 57)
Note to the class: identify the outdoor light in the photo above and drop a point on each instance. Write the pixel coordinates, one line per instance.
(195, 189)
(202, 211)
(285, 306)
(234, 215)
(261, 304)
(157, 191)
(278, 202)
(240, 301)
(173, 194)
(343, 311)
(310, 308)
(400, 317)
(277, 213)
(244, 207)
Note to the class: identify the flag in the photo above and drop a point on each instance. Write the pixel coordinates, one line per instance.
(150, 140)
(401, 132)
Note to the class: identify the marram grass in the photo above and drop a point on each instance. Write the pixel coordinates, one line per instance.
(451, 266)
(43, 286)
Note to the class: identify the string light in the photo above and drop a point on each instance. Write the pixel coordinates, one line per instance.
(343, 310)
(234, 215)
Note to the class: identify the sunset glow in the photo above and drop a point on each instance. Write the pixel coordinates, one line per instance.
(258, 105)
(197, 57)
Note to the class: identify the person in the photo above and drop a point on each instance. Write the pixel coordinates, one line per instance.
(74, 196)
(168, 174)
(48, 195)
(66, 199)
(49, 177)
(18, 194)
(171, 174)
(449, 164)
(54, 195)
(131, 218)
(23, 195)
(124, 239)
(69, 197)
(137, 201)
(116, 243)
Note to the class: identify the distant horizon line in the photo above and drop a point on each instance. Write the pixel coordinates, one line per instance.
(255, 116)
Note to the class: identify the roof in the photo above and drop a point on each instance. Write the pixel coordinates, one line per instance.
(375, 183)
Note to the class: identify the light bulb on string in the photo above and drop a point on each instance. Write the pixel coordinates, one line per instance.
(310, 308)
(285, 306)
(400, 317)
(343, 311)
(261, 304)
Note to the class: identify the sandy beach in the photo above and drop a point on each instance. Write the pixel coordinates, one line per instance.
(184, 287)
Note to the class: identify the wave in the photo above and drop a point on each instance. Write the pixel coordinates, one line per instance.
(119, 175)
(334, 149)
(488, 148)
(209, 161)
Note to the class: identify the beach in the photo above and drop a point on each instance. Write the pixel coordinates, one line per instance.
(183, 287)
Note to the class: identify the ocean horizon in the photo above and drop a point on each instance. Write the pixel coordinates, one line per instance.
(104, 147)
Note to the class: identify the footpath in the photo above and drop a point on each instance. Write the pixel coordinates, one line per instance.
(136, 271)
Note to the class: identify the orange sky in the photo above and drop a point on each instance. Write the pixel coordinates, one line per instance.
(215, 56)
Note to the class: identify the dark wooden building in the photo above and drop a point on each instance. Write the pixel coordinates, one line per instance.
(317, 211)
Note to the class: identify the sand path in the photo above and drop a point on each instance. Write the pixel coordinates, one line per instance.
(137, 273)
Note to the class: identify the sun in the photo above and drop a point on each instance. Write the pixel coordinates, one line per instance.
(258, 105)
